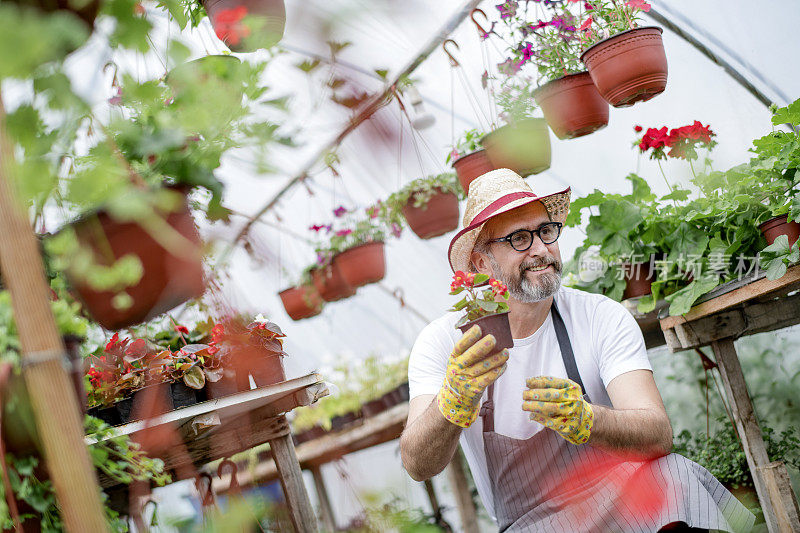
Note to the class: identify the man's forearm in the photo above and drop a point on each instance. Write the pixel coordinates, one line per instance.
(635, 434)
(427, 445)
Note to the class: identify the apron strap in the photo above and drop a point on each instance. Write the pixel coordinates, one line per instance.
(567, 356)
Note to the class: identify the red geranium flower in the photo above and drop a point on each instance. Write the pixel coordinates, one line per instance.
(182, 329)
(228, 25)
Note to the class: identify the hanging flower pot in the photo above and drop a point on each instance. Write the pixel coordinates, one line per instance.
(169, 276)
(330, 284)
(523, 146)
(437, 217)
(496, 324)
(628, 67)
(247, 25)
(774, 227)
(471, 166)
(572, 106)
(639, 278)
(301, 302)
(362, 264)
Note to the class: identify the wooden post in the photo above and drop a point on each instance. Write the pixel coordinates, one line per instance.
(458, 482)
(326, 511)
(771, 487)
(294, 490)
(52, 396)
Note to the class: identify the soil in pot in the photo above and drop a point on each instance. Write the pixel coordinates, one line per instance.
(330, 284)
(268, 370)
(144, 403)
(247, 25)
(498, 326)
(572, 106)
(437, 217)
(301, 302)
(169, 278)
(362, 264)
(471, 166)
(628, 67)
(524, 146)
(639, 278)
(774, 227)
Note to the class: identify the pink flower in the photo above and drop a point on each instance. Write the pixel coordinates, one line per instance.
(586, 24)
(507, 9)
(343, 232)
(637, 128)
(316, 227)
(527, 52)
(339, 211)
(182, 329)
(638, 4)
(397, 229)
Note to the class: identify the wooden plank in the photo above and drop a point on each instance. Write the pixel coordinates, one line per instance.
(750, 433)
(776, 479)
(55, 408)
(375, 430)
(325, 510)
(226, 407)
(294, 490)
(457, 476)
(758, 289)
(748, 319)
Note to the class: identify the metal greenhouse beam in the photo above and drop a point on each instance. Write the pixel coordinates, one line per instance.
(372, 105)
(659, 17)
(51, 393)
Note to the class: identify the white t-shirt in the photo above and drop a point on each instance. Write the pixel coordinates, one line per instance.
(606, 341)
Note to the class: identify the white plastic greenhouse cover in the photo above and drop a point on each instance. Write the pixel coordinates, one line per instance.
(386, 35)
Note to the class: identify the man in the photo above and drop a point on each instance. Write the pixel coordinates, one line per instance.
(566, 431)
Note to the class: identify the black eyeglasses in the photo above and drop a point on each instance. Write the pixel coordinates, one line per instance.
(522, 239)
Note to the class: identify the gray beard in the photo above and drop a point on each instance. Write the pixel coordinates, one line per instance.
(524, 290)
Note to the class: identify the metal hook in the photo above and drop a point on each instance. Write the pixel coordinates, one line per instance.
(481, 29)
(115, 67)
(453, 61)
(207, 494)
(234, 484)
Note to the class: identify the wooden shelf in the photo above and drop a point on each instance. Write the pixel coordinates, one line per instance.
(222, 427)
(375, 430)
(736, 309)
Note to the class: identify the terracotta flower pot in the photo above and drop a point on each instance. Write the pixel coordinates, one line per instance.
(639, 278)
(268, 370)
(437, 217)
(362, 264)
(774, 227)
(498, 326)
(330, 284)
(226, 16)
(628, 67)
(572, 106)
(524, 146)
(225, 386)
(301, 302)
(169, 278)
(471, 166)
(85, 10)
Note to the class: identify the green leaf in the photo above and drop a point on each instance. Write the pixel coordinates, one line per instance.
(176, 10)
(490, 307)
(194, 378)
(574, 216)
(460, 305)
(682, 300)
(776, 268)
(787, 115)
(481, 278)
(677, 194)
(779, 245)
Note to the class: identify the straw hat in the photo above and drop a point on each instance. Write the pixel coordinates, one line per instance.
(493, 193)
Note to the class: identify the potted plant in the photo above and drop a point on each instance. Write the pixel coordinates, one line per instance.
(302, 300)
(328, 279)
(485, 308)
(358, 248)
(566, 93)
(469, 159)
(429, 205)
(523, 143)
(626, 62)
(243, 25)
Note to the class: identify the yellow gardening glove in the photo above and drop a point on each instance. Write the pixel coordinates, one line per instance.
(556, 403)
(470, 370)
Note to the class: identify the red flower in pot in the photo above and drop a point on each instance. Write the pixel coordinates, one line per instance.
(486, 307)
